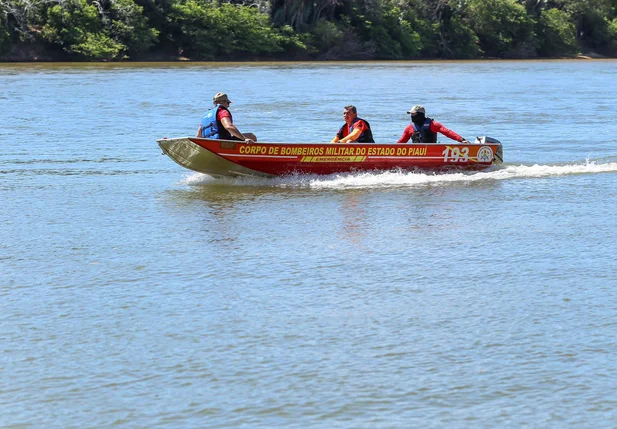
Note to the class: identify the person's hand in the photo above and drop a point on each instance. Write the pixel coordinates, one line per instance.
(465, 141)
(249, 141)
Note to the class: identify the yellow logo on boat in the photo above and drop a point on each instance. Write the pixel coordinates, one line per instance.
(485, 154)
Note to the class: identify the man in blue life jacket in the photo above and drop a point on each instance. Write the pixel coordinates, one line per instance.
(217, 123)
(424, 130)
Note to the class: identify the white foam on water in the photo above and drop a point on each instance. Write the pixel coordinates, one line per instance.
(388, 179)
(197, 179)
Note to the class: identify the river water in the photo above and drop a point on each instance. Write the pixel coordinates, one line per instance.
(134, 293)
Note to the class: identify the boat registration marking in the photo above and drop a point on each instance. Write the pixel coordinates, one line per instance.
(455, 154)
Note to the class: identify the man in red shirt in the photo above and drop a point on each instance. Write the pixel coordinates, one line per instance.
(354, 129)
(217, 123)
(424, 130)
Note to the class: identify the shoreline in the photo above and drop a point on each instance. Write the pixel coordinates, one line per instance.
(189, 62)
(183, 60)
(37, 54)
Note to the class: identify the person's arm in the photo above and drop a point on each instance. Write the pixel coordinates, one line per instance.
(406, 134)
(436, 127)
(229, 126)
(359, 127)
(352, 137)
(199, 131)
(339, 135)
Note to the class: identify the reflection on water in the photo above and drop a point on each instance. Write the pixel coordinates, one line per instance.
(220, 209)
(354, 216)
(228, 195)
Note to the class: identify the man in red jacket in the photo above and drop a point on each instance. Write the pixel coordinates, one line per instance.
(354, 130)
(424, 130)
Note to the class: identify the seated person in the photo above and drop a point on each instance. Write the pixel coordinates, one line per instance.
(424, 130)
(217, 123)
(354, 130)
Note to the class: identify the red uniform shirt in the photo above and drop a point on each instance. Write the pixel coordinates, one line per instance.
(436, 127)
(222, 113)
(358, 125)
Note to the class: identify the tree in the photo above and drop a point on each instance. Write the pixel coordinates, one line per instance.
(394, 36)
(100, 29)
(534, 7)
(301, 14)
(556, 33)
(5, 38)
(5, 35)
(584, 13)
(455, 36)
(74, 26)
(208, 31)
(128, 26)
(457, 39)
(503, 27)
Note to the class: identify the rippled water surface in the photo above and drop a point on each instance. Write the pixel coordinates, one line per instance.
(134, 293)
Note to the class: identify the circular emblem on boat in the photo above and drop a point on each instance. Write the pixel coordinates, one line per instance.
(485, 154)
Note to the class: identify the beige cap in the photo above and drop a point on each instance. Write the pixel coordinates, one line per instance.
(221, 96)
(417, 109)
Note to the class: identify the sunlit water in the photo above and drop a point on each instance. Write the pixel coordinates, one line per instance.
(134, 293)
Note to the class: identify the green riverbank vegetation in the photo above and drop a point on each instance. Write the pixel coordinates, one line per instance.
(209, 30)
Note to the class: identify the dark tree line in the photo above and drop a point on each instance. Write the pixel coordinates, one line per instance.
(304, 29)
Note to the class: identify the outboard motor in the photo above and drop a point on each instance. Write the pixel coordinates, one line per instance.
(486, 140)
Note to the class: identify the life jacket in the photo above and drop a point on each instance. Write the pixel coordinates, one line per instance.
(365, 137)
(423, 134)
(211, 128)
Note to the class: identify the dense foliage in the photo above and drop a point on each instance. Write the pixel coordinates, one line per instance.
(304, 29)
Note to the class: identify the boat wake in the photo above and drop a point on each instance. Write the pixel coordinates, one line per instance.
(388, 179)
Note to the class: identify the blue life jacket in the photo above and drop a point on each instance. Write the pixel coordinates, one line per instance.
(423, 134)
(211, 128)
(365, 137)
